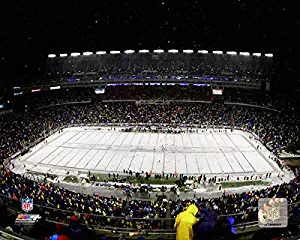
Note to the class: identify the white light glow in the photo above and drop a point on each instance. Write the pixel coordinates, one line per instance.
(87, 53)
(129, 51)
(245, 53)
(217, 52)
(203, 51)
(36, 90)
(217, 91)
(144, 51)
(101, 52)
(51, 56)
(63, 55)
(269, 55)
(115, 52)
(158, 51)
(231, 53)
(55, 88)
(257, 54)
(173, 51)
(188, 51)
(75, 54)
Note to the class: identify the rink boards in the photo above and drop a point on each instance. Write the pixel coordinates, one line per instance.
(107, 150)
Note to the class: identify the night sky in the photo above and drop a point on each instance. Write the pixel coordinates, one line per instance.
(31, 31)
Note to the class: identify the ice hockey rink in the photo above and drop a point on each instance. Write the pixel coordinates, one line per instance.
(105, 150)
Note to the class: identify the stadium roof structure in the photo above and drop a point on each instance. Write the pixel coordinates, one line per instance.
(188, 66)
(188, 51)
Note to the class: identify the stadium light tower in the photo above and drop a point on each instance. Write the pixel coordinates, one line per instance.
(217, 52)
(129, 51)
(244, 53)
(87, 53)
(100, 52)
(144, 51)
(257, 54)
(203, 51)
(115, 52)
(173, 51)
(51, 55)
(75, 54)
(158, 51)
(188, 51)
(231, 53)
(63, 55)
(269, 55)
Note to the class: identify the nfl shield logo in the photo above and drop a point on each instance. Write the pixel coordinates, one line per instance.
(27, 204)
(273, 213)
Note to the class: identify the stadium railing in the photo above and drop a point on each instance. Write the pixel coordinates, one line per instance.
(5, 234)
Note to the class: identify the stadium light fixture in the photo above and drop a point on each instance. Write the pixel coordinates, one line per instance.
(173, 51)
(203, 51)
(188, 51)
(257, 54)
(231, 53)
(217, 52)
(245, 53)
(55, 88)
(51, 56)
(115, 52)
(63, 55)
(144, 51)
(158, 51)
(101, 52)
(269, 55)
(87, 53)
(129, 51)
(75, 54)
(36, 90)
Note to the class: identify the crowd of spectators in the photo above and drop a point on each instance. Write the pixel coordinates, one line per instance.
(158, 93)
(20, 129)
(62, 205)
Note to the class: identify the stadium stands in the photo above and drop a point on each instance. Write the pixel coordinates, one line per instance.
(161, 65)
(21, 129)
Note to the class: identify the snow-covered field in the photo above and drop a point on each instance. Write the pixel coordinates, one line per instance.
(105, 150)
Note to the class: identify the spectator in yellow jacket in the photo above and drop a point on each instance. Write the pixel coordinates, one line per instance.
(184, 223)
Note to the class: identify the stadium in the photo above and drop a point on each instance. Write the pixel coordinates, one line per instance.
(143, 121)
(132, 138)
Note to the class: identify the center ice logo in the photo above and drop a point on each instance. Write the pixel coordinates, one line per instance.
(27, 204)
